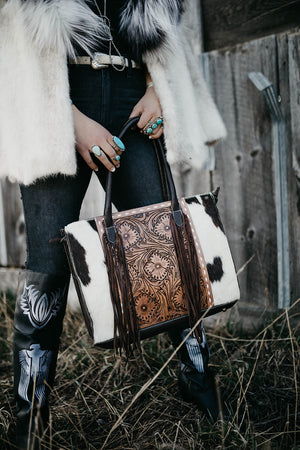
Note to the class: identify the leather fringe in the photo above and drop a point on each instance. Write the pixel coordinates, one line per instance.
(190, 271)
(126, 330)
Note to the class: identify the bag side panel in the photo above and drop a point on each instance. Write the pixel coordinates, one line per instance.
(216, 251)
(89, 265)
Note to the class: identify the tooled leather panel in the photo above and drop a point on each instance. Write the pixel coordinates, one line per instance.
(152, 264)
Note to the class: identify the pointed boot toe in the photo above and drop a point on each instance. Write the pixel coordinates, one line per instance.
(199, 388)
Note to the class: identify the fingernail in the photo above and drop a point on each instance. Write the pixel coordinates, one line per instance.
(96, 170)
(150, 137)
(118, 166)
(113, 169)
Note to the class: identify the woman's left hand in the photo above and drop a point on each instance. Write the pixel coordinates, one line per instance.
(149, 109)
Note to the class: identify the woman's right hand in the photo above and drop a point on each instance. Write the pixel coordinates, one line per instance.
(89, 133)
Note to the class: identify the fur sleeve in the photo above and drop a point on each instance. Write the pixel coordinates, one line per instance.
(59, 24)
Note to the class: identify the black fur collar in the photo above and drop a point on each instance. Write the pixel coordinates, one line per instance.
(147, 24)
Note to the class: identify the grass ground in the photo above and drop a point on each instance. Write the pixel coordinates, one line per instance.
(101, 401)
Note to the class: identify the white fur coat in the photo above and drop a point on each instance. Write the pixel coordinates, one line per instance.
(36, 123)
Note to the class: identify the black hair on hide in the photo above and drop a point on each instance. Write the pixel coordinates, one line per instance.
(215, 270)
(212, 210)
(80, 263)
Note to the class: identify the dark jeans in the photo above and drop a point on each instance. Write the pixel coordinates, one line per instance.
(107, 96)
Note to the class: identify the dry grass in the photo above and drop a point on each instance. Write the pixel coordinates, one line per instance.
(257, 377)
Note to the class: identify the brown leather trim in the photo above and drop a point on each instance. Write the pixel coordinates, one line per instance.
(166, 326)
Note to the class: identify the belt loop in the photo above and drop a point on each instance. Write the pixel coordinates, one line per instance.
(129, 70)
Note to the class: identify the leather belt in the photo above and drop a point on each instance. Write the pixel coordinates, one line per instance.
(102, 61)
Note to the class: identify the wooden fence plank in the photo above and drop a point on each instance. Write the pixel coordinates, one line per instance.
(14, 224)
(291, 101)
(93, 202)
(244, 166)
(3, 247)
(288, 87)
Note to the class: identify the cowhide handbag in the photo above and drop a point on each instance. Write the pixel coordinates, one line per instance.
(143, 271)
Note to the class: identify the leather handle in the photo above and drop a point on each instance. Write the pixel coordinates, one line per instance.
(159, 147)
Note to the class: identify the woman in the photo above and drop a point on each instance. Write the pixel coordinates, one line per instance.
(52, 95)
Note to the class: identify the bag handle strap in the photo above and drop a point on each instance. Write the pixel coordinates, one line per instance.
(159, 147)
(162, 173)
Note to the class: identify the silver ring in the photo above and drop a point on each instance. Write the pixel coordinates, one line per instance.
(96, 150)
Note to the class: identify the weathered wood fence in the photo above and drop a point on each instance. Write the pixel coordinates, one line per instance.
(243, 165)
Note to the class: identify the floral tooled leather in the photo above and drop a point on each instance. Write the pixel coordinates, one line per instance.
(152, 265)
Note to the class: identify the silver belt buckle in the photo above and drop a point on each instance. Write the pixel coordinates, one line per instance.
(97, 66)
(95, 62)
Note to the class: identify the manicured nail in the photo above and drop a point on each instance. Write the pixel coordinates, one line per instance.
(113, 169)
(96, 170)
(118, 166)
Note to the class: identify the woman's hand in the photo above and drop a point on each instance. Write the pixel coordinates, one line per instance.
(89, 133)
(149, 109)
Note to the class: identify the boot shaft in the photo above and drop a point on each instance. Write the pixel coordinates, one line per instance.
(40, 308)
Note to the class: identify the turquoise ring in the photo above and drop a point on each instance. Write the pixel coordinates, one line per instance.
(117, 158)
(96, 150)
(118, 143)
(152, 125)
(157, 121)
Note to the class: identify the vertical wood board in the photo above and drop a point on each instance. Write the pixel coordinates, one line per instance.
(245, 167)
(291, 102)
(14, 224)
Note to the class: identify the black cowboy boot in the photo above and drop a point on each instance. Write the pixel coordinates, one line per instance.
(38, 320)
(195, 379)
